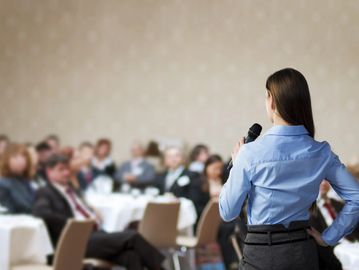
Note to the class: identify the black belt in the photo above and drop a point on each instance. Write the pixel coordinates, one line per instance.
(279, 231)
(270, 242)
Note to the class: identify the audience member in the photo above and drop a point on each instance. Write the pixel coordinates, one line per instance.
(198, 157)
(44, 151)
(321, 217)
(37, 181)
(137, 171)
(57, 202)
(16, 191)
(102, 162)
(85, 173)
(154, 156)
(54, 142)
(328, 208)
(74, 161)
(176, 179)
(209, 187)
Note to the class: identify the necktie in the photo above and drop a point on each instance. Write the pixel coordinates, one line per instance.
(88, 177)
(330, 210)
(78, 207)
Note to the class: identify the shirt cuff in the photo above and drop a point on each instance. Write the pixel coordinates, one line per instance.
(328, 240)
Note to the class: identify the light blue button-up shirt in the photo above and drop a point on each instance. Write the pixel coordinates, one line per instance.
(280, 173)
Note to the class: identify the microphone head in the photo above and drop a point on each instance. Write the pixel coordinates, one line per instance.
(256, 129)
(254, 132)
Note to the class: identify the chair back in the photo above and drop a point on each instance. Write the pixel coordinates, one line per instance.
(208, 223)
(236, 247)
(71, 248)
(159, 224)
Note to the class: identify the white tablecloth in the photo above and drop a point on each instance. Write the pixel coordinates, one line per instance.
(23, 239)
(119, 210)
(348, 254)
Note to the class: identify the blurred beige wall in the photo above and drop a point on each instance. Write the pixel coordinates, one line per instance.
(189, 70)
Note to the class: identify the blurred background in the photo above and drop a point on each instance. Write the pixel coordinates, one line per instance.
(165, 70)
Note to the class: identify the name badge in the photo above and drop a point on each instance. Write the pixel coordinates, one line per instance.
(183, 181)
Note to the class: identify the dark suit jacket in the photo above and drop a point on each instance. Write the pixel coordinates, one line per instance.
(187, 191)
(53, 208)
(16, 195)
(201, 197)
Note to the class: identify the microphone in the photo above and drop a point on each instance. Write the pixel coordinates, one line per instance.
(253, 133)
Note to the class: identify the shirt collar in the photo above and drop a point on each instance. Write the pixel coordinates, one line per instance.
(101, 164)
(137, 161)
(60, 188)
(287, 130)
(177, 172)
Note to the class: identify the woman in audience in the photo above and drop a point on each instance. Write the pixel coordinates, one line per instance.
(211, 182)
(198, 157)
(73, 156)
(154, 156)
(210, 187)
(16, 191)
(102, 163)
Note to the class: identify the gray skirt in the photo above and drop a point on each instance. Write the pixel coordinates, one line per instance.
(274, 247)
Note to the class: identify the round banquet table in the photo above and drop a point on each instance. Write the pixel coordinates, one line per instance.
(348, 254)
(23, 239)
(119, 210)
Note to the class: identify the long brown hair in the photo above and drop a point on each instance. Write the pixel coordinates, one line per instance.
(204, 177)
(12, 150)
(103, 141)
(196, 151)
(291, 96)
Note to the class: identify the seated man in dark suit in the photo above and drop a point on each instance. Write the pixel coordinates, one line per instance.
(323, 216)
(176, 179)
(57, 202)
